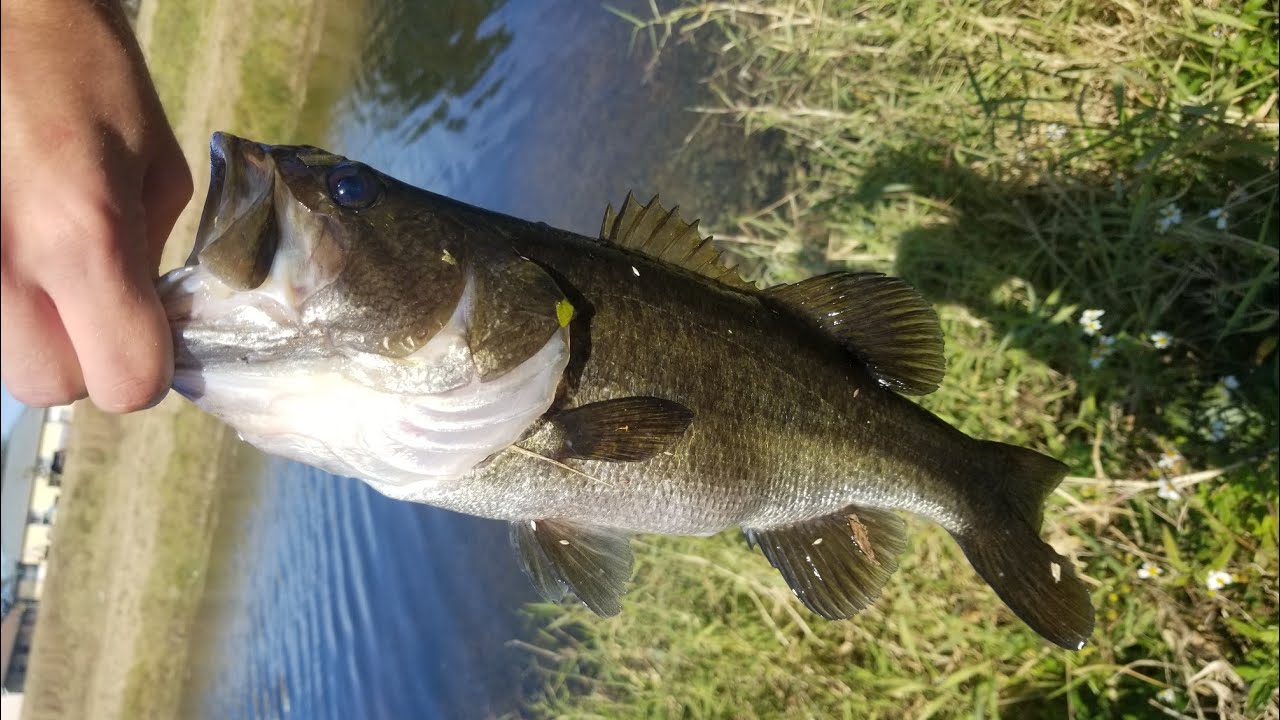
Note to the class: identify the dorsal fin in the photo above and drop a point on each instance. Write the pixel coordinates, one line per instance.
(880, 319)
(661, 233)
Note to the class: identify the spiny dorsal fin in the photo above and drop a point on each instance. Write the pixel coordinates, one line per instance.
(661, 233)
(836, 564)
(880, 319)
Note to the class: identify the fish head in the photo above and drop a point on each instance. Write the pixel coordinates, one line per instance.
(323, 300)
(303, 256)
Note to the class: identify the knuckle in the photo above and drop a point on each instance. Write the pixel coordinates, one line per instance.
(47, 392)
(83, 237)
(129, 393)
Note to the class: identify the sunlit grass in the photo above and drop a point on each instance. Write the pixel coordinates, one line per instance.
(1020, 163)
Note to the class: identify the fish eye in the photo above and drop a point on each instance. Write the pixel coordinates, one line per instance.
(354, 186)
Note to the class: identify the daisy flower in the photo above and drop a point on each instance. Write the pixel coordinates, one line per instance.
(1161, 339)
(1170, 215)
(1218, 579)
(1220, 215)
(1150, 571)
(1091, 321)
(1106, 345)
(1169, 459)
(1166, 491)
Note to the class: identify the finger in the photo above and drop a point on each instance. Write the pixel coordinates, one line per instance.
(109, 307)
(40, 366)
(166, 190)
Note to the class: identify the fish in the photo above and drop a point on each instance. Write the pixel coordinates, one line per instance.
(588, 389)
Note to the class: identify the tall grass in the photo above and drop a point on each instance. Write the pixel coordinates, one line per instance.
(1020, 163)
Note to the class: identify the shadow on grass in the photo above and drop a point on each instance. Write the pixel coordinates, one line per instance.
(1030, 254)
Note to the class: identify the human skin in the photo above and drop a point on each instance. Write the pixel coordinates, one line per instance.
(91, 183)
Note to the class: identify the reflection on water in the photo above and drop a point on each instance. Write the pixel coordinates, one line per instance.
(329, 600)
(352, 605)
(429, 62)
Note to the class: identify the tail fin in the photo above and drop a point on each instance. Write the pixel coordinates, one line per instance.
(1037, 583)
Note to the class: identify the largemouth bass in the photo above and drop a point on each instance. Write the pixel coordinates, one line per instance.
(587, 389)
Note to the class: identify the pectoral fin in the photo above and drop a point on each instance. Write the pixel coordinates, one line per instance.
(559, 556)
(622, 430)
(836, 564)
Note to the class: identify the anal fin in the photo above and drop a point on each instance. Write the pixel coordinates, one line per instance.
(836, 564)
(559, 556)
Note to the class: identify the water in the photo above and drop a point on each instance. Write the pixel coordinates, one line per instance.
(329, 600)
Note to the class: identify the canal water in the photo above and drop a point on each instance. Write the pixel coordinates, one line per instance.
(329, 600)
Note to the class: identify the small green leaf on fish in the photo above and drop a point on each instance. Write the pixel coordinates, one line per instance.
(564, 312)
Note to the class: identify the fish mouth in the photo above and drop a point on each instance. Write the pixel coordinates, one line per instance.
(235, 246)
(238, 234)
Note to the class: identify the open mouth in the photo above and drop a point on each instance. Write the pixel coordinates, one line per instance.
(238, 236)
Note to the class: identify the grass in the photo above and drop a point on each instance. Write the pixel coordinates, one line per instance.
(202, 458)
(1019, 163)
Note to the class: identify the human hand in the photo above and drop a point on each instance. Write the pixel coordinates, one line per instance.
(92, 181)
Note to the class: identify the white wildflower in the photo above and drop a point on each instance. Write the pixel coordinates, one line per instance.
(1150, 571)
(1055, 131)
(1218, 579)
(1091, 321)
(1169, 459)
(1230, 382)
(1161, 339)
(1166, 490)
(1170, 215)
(1167, 696)
(1220, 215)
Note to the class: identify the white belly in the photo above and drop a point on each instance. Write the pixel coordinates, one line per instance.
(405, 444)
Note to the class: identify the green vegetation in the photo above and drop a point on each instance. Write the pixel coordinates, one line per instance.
(176, 28)
(1020, 163)
(187, 488)
(287, 85)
